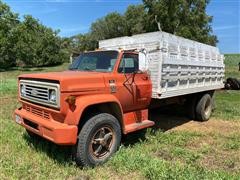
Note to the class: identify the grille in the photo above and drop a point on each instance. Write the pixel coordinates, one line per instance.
(37, 111)
(38, 92)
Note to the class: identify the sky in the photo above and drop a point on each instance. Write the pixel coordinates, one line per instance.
(75, 16)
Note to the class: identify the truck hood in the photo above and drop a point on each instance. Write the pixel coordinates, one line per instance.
(72, 81)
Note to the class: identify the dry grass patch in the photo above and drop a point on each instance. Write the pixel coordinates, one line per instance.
(219, 146)
(211, 126)
(221, 160)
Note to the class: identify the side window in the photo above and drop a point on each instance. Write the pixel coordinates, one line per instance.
(129, 63)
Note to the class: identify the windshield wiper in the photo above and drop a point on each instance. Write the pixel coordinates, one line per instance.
(72, 69)
(87, 69)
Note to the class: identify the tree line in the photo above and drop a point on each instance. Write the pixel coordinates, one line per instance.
(29, 43)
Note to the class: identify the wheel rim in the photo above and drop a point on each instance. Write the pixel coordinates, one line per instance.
(208, 108)
(102, 142)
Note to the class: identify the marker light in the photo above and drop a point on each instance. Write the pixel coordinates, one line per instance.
(71, 100)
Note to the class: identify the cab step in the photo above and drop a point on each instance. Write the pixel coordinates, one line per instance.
(137, 126)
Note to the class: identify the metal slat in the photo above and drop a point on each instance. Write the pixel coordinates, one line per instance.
(35, 98)
(38, 93)
(27, 87)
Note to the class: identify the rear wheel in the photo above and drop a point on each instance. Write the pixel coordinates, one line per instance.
(204, 107)
(98, 140)
(232, 84)
(190, 106)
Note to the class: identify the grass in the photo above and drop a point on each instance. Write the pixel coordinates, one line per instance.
(231, 61)
(187, 150)
(228, 103)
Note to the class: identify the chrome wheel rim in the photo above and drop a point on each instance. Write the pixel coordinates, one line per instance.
(102, 142)
(207, 108)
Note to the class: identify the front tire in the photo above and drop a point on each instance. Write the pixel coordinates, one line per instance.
(98, 140)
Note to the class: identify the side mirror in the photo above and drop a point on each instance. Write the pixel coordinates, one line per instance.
(142, 58)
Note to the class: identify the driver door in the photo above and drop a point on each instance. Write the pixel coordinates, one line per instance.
(134, 87)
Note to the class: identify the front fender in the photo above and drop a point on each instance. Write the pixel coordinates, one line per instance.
(82, 102)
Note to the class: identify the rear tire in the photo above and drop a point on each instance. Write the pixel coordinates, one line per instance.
(204, 108)
(190, 106)
(98, 140)
(232, 84)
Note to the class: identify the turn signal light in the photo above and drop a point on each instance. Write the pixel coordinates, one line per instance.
(71, 100)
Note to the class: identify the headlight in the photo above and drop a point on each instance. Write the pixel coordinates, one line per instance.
(22, 89)
(52, 95)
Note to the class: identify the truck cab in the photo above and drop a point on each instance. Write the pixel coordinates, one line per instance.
(104, 94)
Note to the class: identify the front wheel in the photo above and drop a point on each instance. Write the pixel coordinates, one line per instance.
(98, 140)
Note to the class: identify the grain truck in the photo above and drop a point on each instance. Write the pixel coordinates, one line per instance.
(108, 92)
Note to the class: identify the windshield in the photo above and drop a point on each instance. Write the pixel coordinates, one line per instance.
(99, 61)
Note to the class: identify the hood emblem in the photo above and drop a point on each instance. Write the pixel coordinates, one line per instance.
(34, 92)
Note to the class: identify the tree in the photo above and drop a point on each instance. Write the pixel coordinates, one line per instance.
(136, 18)
(114, 25)
(8, 22)
(133, 21)
(110, 26)
(83, 42)
(37, 45)
(27, 42)
(185, 18)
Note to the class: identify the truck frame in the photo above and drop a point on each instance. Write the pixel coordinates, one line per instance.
(108, 92)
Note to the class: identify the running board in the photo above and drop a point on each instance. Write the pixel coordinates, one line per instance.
(137, 126)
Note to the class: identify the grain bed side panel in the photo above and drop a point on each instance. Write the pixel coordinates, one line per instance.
(177, 66)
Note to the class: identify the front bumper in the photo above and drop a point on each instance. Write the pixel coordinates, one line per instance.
(54, 131)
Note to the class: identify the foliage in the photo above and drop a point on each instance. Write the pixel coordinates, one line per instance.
(82, 42)
(27, 43)
(136, 19)
(36, 44)
(115, 25)
(110, 26)
(8, 22)
(184, 18)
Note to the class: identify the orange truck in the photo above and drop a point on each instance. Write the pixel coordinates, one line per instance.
(108, 92)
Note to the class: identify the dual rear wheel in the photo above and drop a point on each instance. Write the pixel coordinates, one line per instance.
(200, 107)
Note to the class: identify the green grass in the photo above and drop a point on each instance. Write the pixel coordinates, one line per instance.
(227, 105)
(175, 154)
(231, 62)
(228, 102)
